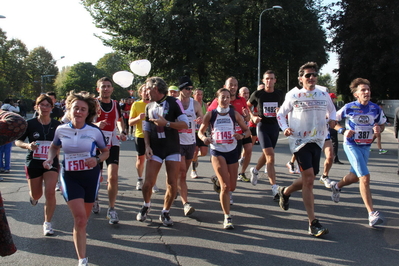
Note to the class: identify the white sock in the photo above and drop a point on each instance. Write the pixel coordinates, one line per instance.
(147, 204)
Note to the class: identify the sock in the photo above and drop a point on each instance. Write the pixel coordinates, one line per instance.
(274, 186)
(227, 216)
(163, 211)
(139, 178)
(147, 204)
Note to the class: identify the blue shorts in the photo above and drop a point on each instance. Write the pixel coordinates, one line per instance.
(309, 157)
(268, 134)
(358, 156)
(231, 157)
(80, 184)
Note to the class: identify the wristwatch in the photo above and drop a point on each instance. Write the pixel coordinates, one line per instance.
(98, 160)
(167, 124)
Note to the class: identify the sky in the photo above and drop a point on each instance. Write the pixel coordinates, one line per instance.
(66, 29)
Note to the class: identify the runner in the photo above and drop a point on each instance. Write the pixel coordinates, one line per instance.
(224, 153)
(40, 133)
(187, 139)
(200, 149)
(109, 120)
(363, 119)
(164, 117)
(80, 177)
(267, 102)
(307, 110)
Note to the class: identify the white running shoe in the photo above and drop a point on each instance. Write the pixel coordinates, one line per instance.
(325, 181)
(188, 209)
(375, 218)
(47, 229)
(335, 192)
(96, 207)
(276, 197)
(142, 215)
(112, 216)
(155, 189)
(165, 219)
(84, 262)
(193, 174)
(33, 202)
(139, 184)
(291, 167)
(228, 223)
(254, 175)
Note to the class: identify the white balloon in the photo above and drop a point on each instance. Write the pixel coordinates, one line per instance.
(141, 67)
(123, 78)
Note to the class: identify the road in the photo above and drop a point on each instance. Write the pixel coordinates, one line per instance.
(263, 235)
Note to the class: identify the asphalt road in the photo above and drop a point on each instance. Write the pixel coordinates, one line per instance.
(263, 235)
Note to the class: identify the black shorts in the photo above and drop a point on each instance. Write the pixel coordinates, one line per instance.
(247, 140)
(253, 131)
(80, 184)
(32, 173)
(113, 156)
(198, 142)
(268, 135)
(231, 157)
(309, 156)
(140, 146)
(187, 151)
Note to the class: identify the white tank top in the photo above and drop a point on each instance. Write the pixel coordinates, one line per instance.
(187, 136)
(222, 134)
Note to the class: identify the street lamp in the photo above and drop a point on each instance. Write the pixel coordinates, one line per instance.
(45, 76)
(260, 28)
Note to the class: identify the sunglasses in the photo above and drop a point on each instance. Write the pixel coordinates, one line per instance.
(188, 88)
(311, 74)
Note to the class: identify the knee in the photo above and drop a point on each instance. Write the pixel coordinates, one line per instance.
(80, 222)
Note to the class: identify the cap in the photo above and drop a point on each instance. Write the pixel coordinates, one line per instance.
(173, 88)
(184, 82)
(333, 96)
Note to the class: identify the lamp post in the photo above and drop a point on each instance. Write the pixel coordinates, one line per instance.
(45, 76)
(260, 30)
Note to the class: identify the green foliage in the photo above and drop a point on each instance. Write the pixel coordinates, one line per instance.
(366, 37)
(212, 40)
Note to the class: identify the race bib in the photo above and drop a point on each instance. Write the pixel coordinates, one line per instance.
(269, 109)
(363, 135)
(108, 137)
(76, 161)
(222, 136)
(42, 150)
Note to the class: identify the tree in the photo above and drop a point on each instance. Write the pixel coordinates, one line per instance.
(366, 37)
(12, 66)
(41, 70)
(81, 77)
(211, 40)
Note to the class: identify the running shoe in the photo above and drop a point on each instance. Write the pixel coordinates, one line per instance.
(231, 198)
(83, 262)
(8, 170)
(316, 229)
(335, 192)
(241, 161)
(243, 177)
(57, 186)
(142, 215)
(382, 151)
(193, 174)
(47, 229)
(325, 181)
(276, 197)
(155, 189)
(375, 218)
(284, 200)
(139, 184)
(165, 219)
(188, 209)
(96, 207)
(33, 202)
(254, 176)
(228, 223)
(216, 185)
(112, 216)
(291, 167)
